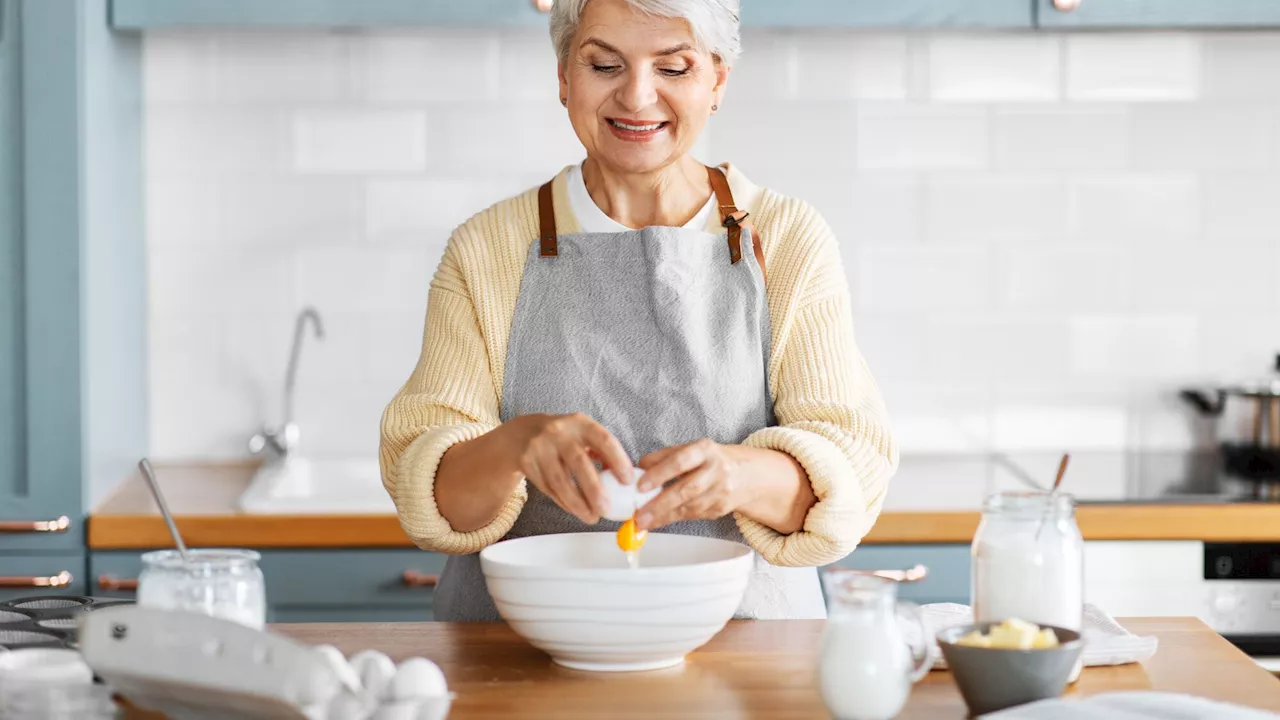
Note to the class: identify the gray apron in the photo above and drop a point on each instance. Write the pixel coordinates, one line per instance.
(661, 335)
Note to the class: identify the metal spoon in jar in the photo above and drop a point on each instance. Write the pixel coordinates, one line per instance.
(1053, 493)
(149, 474)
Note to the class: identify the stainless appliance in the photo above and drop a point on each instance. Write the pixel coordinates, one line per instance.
(1243, 583)
(1244, 420)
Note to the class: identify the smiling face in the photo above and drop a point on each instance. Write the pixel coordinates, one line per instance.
(639, 90)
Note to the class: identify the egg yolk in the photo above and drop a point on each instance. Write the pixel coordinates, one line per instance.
(630, 539)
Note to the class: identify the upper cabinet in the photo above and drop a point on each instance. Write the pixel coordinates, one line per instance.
(143, 14)
(1155, 14)
(888, 14)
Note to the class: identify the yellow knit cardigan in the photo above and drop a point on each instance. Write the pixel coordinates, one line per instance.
(831, 417)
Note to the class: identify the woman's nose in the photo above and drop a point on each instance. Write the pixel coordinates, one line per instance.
(637, 92)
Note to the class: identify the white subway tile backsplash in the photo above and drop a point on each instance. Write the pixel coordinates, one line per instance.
(1132, 67)
(1044, 234)
(917, 136)
(1197, 137)
(1128, 208)
(961, 206)
(1241, 66)
(360, 141)
(838, 66)
(436, 66)
(280, 67)
(1061, 137)
(994, 68)
(920, 278)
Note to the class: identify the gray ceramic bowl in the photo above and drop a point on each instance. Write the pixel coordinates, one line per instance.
(992, 679)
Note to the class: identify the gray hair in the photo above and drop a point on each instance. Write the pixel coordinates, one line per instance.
(715, 23)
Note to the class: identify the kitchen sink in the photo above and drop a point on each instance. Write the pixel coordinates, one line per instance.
(298, 485)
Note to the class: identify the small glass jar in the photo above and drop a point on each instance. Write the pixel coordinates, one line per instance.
(1028, 560)
(226, 584)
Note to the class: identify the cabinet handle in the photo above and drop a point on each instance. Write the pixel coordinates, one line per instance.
(62, 579)
(542, 6)
(915, 574)
(413, 578)
(36, 526)
(111, 582)
(1065, 5)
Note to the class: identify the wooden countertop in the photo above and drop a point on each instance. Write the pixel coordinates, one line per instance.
(753, 669)
(203, 497)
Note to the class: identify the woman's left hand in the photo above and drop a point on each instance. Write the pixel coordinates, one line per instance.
(708, 483)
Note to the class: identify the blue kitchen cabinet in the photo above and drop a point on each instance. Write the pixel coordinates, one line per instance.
(1155, 14)
(948, 578)
(888, 14)
(345, 585)
(72, 300)
(143, 14)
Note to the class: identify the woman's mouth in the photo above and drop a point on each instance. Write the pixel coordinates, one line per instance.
(635, 130)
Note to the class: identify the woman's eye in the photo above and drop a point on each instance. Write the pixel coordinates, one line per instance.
(604, 68)
(674, 72)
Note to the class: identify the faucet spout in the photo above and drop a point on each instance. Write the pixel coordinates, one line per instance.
(295, 352)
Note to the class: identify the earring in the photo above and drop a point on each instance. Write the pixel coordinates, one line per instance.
(715, 108)
(564, 102)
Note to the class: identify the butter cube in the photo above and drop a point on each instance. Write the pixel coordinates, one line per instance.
(974, 639)
(1014, 633)
(1045, 639)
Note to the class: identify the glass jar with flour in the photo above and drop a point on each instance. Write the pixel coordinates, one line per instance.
(226, 584)
(1028, 560)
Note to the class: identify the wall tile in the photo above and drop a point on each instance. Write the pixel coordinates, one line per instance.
(993, 68)
(1240, 66)
(436, 66)
(470, 141)
(527, 67)
(179, 67)
(1237, 345)
(201, 140)
(1241, 205)
(886, 207)
(1150, 348)
(1202, 138)
(997, 349)
(768, 70)
(1229, 274)
(835, 66)
(394, 344)
(217, 279)
(945, 418)
(343, 422)
(961, 206)
(275, 67)
(1128, 208)
(352, 278)
(182, 209)
(900, 278)
(1061, 137)
(1062, 280)
(1133, 66)
(795, 136)
(399, 205)
(273, 210)
(358, 142)
(908, 136)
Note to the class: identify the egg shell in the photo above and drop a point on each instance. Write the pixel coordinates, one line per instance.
(416, 678)
(349, 706)
(340, 667)
(374, 669)
(623, 500)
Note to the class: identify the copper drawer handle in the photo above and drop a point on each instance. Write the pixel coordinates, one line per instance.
(111, 582)
(915, 574)
(62, 579)
(413, 578)
(36, 526)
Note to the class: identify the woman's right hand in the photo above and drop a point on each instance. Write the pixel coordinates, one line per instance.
(552, 451)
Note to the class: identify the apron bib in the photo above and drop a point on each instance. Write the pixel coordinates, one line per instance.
(661, 335)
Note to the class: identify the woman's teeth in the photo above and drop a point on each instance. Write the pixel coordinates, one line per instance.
(636, 128)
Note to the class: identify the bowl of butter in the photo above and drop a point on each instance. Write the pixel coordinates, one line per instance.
(998, 665)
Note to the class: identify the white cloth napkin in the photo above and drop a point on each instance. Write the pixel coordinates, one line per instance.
(1141, 705)
(1105, 641)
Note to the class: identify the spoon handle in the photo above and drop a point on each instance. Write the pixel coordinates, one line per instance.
(149, 474)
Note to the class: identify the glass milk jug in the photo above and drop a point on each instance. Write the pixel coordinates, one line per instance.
(866, 665)
(1028, 560)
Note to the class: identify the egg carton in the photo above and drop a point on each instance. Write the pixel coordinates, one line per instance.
(46, 621)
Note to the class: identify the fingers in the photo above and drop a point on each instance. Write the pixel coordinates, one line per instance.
(655, 457)
(588, 480)
(677, 461)
(557, 483)
(605, 446)
(690, 497)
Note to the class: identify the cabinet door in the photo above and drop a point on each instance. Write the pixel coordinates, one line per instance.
(948, 578)
(39, 282)
(41, 574)
(1005, 14)
(1159, 14)
(140, 14)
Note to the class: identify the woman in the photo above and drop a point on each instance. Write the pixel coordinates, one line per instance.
(620, 314)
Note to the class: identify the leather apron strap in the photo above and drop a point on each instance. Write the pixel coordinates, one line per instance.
(731, 217)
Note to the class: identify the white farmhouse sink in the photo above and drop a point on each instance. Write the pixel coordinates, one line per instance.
(314, 486)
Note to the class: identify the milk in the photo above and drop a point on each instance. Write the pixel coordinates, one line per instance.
(865, 668)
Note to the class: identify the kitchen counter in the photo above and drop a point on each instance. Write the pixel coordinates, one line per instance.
(923, 507)
(752, 669)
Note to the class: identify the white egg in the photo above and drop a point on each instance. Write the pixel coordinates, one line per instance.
(374, 669)
(348, 706)
(624, 500)
(416, 678)
(340, 667)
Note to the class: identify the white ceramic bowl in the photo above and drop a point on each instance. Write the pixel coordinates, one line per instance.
(573, 596)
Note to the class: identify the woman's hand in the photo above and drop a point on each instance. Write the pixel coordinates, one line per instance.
(708, 483)
(555, 450)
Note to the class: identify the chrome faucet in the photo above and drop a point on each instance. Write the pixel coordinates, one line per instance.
(283, 439)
